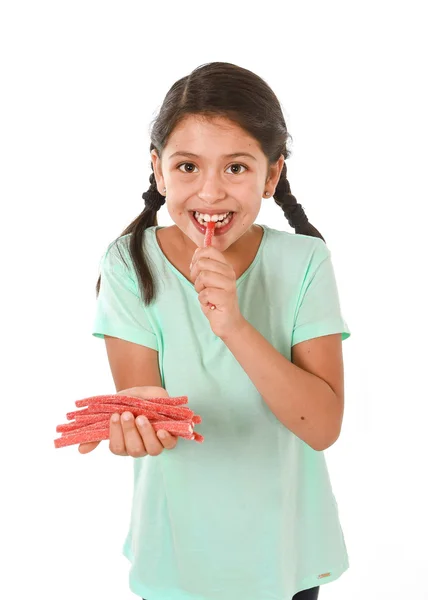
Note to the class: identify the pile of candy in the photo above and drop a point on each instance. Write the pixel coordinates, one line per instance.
(92, 424)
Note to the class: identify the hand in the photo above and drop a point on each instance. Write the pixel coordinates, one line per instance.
(127, 438)
(215, 281)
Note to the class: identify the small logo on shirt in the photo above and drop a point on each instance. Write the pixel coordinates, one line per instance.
(323, 575)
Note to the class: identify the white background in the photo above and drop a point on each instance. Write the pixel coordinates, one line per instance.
(81, 82)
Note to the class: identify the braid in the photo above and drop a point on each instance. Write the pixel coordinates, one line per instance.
(147, 218)
(154, 200)
(293, 211)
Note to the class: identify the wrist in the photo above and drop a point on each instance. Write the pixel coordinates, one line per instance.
(235, 331)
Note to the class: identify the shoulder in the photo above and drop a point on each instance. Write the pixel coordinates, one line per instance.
(118, 250)
(118, 256)
(296, 248)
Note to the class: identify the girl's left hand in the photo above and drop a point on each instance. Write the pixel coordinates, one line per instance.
(215, 281)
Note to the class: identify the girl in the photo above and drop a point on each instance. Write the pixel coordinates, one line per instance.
(250, 512)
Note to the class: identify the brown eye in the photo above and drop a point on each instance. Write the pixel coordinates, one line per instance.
(185, 164)
(238, 165)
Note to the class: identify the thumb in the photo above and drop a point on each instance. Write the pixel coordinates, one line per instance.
(87, 447)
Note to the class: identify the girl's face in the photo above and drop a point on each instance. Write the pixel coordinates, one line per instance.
(212, 182)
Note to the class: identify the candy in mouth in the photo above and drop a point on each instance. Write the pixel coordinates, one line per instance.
(209, 233)
(207, 242)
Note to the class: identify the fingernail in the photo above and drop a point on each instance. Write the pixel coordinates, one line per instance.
(163, 435)
(141, 420)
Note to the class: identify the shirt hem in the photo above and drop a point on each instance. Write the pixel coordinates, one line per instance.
(305, 584)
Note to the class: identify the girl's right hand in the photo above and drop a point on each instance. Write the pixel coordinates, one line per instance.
(127, 438)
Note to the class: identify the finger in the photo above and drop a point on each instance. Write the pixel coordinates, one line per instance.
(211, 296)
(134, 443)
(151, 441)
(116, 437)
(87, 447)
(211, 279)
(169, 441)
(207, 264)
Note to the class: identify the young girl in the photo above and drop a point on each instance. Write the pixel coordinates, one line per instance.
(250, 329)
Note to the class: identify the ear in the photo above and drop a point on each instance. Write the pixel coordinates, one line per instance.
(274, 172)
(157, 169)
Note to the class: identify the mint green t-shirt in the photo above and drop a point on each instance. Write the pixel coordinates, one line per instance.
(249, 513)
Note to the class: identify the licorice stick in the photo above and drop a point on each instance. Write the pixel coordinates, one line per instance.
(109, 409)
(171, 426)
(96, 435)
(209, 233)
(87, 419)
(72, 428)
(76, 426)
(169, 411)
(97, 408)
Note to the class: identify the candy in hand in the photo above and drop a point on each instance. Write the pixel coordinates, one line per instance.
(92, 422)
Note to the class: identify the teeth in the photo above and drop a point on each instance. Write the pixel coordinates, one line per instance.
(221, 220)
(214, 218)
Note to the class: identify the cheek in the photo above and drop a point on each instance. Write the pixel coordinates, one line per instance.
(176, 211)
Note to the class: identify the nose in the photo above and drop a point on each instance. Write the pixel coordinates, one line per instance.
(211, 189)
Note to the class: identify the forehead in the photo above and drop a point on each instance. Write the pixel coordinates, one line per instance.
(194, 130)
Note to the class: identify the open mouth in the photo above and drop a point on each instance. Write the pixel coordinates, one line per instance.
(223, 224)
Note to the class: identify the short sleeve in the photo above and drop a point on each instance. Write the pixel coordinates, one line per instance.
(319, 312)
(120, 311)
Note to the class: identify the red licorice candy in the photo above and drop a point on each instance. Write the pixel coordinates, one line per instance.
(209, 233)
(92, 422)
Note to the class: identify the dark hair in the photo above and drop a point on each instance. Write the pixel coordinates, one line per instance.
(217, 89)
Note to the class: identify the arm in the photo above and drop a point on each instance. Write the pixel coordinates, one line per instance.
(307, 399)
(132, 365)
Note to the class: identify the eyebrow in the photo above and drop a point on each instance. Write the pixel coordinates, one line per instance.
(234, 155)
